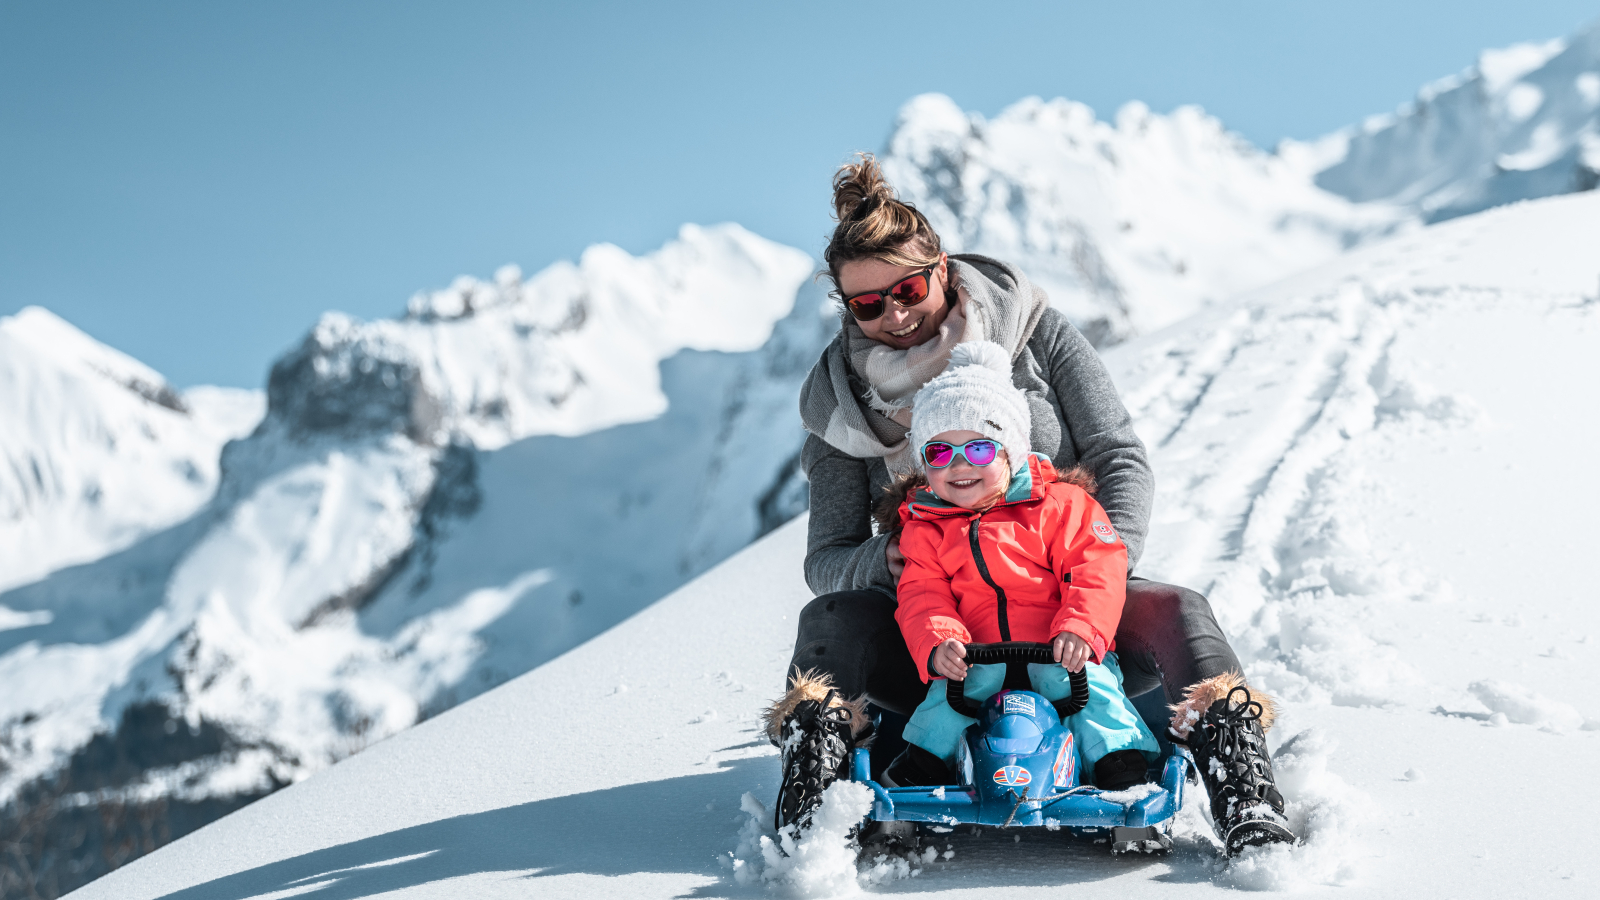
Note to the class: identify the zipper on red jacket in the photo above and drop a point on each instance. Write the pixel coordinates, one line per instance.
(983, 569)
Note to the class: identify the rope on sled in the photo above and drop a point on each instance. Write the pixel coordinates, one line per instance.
(1043, 801)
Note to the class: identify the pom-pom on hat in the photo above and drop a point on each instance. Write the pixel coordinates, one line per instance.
(974, 393)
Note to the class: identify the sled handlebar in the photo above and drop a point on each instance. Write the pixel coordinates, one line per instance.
(1017, 653)
(1009, 651)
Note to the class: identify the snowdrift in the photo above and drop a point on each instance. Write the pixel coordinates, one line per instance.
(1379, 471)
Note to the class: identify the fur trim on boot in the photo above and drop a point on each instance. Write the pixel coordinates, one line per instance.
(1223, 724)
(812, 685)
(1197, 698)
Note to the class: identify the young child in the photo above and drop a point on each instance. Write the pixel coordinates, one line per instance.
(999, 547)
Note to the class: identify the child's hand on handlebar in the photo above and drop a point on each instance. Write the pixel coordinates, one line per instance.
(1070, 650)
(947, 660)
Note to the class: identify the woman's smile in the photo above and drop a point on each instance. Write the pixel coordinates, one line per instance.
(906, 330)
(899, 327)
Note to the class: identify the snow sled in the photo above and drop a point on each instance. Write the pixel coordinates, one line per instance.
(1018, 768)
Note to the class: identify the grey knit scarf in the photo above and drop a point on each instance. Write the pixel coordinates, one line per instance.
(858, 398)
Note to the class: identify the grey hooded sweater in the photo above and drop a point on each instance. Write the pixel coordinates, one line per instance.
(1078, 419)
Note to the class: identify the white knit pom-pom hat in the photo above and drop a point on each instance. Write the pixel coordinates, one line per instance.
(974, 393)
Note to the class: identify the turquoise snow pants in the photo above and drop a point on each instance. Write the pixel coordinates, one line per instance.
(1108, 724)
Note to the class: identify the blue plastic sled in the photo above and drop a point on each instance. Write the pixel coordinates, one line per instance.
(1018, 768)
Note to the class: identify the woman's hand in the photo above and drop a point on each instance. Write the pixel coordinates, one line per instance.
(1070, 650)
(947, 660)
(893, 556)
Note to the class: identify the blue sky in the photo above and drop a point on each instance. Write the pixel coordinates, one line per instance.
(194, 183)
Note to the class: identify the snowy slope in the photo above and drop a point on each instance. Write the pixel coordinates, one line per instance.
(336, 589)
(97, 450)
(1131, 225)
(1522, 123)
(1379, 471)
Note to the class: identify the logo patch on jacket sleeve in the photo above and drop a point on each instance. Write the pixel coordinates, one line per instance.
(1103, 531)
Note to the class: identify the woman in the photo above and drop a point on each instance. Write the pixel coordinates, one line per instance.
(907, 304)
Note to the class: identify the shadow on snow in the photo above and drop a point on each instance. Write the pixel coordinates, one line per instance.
(651, 827)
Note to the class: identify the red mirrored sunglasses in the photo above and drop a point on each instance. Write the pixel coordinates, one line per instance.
(908, 292)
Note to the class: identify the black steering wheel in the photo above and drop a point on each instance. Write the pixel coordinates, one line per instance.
(1016, 655)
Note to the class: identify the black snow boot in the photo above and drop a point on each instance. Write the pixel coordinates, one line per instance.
(1228, 741)
(916, 767)
(815, 730)
(1120, 770)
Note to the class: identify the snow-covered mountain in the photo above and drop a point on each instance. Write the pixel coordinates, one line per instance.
(1133, 224)
(431, 505)
(1127, 225)
(1374, 510)
(96, 450)
(1522, 123)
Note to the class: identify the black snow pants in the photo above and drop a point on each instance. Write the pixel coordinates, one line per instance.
(1168, 638)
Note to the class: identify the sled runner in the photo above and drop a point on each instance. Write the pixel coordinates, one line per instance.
(1017, 767)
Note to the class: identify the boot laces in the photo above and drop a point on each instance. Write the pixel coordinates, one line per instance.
(830, 725)
(1235, 739)
(1242, 712)
(1231, 730)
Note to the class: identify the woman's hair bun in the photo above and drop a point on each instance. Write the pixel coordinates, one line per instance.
(873, 223)
(857, 184)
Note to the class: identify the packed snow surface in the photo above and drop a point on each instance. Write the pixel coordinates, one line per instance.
(1378, 470)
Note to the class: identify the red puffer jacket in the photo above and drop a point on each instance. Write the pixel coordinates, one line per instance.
(1042, 561)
